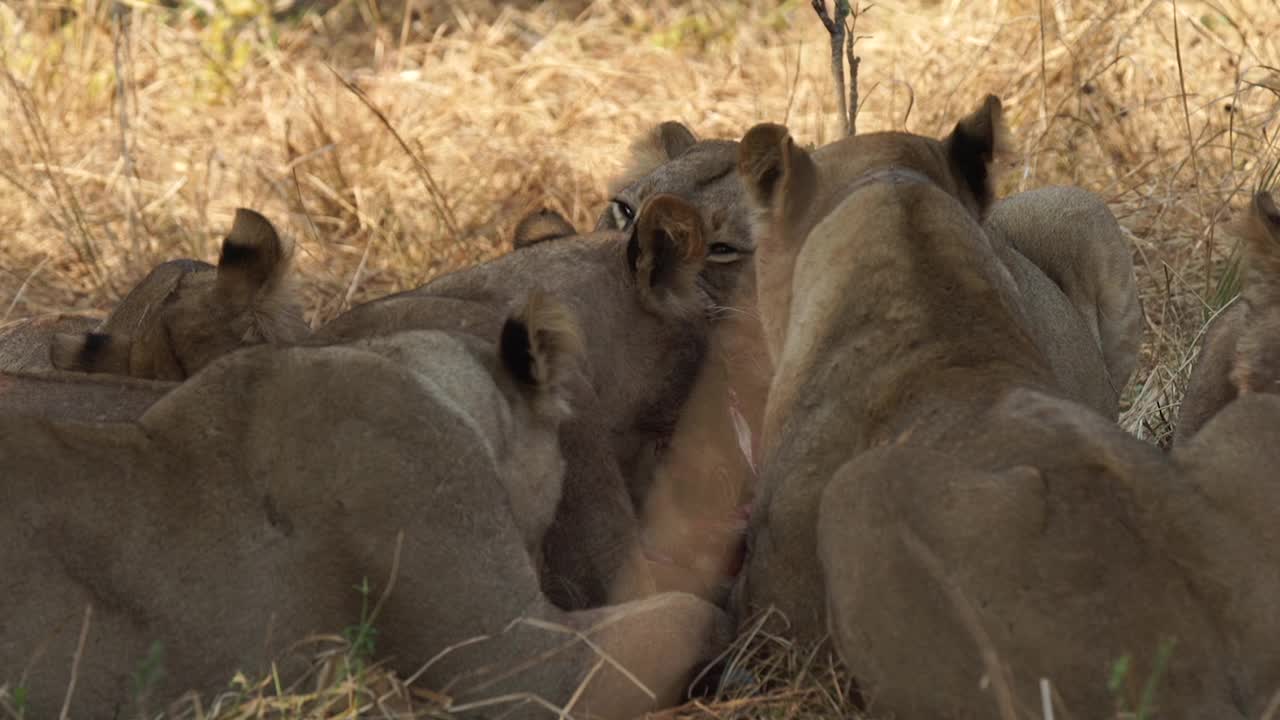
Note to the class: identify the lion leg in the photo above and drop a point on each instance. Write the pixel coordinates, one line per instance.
(1071, 235)
(619, 661)
(1223, 529)
(970, 577)
(895, 611)
(592, 553)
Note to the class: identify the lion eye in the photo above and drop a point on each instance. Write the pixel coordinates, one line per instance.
(623, 214)
(722, 252)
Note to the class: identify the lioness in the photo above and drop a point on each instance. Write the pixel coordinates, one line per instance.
(669, 159)
(1241, 347)
(692, 519)
(1062, 244)
(236, 516)
(1074, 269)
(931, 496)
(645, 316)
(180, 317)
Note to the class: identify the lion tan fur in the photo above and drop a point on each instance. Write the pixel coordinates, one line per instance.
(1074, 268)
(692, 520)
(255, 504)
(24, 345)
(645, 318)
(669, 159)
(933, 496)
(186, 313)
(55, 394)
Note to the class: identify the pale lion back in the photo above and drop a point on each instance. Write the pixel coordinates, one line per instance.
(24, 345)
(1070, 234)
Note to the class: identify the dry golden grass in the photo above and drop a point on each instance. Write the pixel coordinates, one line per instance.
(122, 148)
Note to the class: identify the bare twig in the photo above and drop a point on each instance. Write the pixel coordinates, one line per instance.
(405, 23)
(75, 663)
(996, 671)
(843, 30)
(121, 15)
(17, 297)
(1191, 144)
(67, 204)
(835, 27)
(391, 579)
(438, 199)
(851, 39)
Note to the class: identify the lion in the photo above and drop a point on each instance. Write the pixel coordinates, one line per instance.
(933, 497)
(181, 316)
(1070, 260)
(669, 159)
(1239, 353)
(240, 512)
(1062, 244)
(638, 297)
(704, 475)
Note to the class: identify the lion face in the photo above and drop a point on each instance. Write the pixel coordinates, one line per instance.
(669, 159)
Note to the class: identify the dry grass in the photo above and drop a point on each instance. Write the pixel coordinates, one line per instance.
(395, 154)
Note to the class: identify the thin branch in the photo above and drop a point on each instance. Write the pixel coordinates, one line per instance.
(836, 28)
(844, 36)
(75, 663)
(121, 16)
(851, 39)
(438, 199)
(1191, 141)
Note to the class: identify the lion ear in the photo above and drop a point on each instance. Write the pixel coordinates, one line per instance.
(674, 138)
(972, 149)
(91, 352)
(540, 346)
(1263, 240)
(1257, 360)
(778, 176)
(539, 226)
(666, 251)
(659, 145)
(253, 258)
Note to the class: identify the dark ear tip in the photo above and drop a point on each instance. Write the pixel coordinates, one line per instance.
(676, 138)
(250, 224)
(515, 349)
(538, 339)
(764, 135)
(77, 351)
(1266, 206)
(253, 246)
